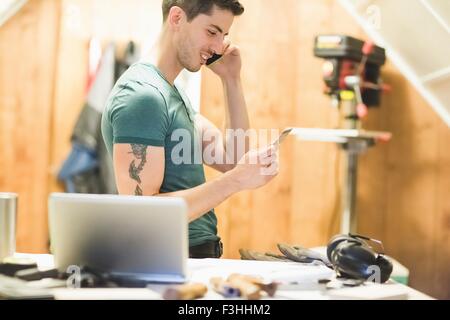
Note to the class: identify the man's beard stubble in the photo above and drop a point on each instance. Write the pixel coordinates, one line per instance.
(186, 60)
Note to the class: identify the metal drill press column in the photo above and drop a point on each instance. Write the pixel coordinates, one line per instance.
(350, 168)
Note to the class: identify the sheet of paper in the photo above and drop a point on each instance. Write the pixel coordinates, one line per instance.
(105, 294)
(204, 269)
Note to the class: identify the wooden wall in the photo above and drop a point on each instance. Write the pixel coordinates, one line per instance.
(28, 51)
(403, 186)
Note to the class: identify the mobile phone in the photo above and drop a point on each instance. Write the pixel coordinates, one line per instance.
(213, 59)
(282, 136)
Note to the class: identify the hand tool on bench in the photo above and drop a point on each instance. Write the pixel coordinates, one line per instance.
(187, 291)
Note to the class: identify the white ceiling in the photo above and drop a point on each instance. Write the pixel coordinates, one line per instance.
(8, 8)
(416, 35)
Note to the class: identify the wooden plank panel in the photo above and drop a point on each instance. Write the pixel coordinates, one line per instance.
(441, 271)
(28, 44)
(259, 219)
(273, 106)
(317, 175)
(412, 175)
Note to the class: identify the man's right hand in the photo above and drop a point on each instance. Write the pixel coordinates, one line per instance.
(256, 168)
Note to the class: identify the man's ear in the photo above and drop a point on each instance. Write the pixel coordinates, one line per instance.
(176, 17)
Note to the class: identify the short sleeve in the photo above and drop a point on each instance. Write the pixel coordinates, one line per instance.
(140, 117)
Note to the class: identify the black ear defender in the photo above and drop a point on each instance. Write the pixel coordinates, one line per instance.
(352, 257)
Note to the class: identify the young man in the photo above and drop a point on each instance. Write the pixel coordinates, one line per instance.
(145, 110)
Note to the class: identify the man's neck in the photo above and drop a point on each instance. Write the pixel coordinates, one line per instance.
(167, 61)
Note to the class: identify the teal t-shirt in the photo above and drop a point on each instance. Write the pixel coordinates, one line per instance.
(143, 108)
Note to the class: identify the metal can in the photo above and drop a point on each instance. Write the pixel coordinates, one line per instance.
(8, 213)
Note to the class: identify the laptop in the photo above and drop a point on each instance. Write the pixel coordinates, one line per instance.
(127, 237)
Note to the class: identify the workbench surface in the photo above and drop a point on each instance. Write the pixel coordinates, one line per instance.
(297, 282)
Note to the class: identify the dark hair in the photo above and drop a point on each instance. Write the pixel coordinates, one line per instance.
(193, 8)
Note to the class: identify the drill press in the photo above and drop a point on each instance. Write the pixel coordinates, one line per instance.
(351, 72)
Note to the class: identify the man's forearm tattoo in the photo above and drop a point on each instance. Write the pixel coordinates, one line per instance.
(138, 191)
(139, 151)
